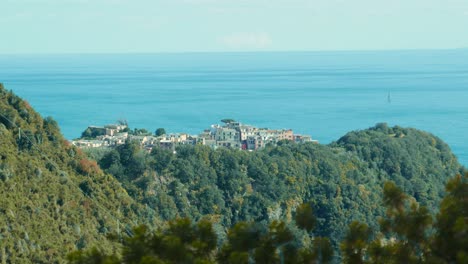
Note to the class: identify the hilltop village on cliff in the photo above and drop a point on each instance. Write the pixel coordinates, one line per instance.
(231, 135)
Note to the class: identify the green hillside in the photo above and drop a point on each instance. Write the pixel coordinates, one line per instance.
(56, 199)
(53, 199)
(416, 161)
(342, 181)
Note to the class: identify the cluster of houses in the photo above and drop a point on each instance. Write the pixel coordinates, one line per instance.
(231, 135)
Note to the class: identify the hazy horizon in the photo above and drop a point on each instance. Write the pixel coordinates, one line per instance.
(238, 52)
(160, 26)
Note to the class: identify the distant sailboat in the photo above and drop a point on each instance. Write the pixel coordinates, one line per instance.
(389, 99)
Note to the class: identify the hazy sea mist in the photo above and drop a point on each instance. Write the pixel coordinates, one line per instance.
(324, 94)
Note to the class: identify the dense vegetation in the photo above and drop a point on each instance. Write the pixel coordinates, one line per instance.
(56, 200)
(407, 235)
(53, 198)
(342, 181)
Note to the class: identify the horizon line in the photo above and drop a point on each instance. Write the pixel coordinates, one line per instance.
(229, 52)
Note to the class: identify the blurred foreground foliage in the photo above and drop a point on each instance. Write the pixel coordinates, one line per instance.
(407, 234)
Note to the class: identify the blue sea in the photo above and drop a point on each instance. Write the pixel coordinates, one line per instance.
(324, 94)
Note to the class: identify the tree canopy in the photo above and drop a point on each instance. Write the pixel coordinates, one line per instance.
(55, 199)
(160, 131)
(341, 181)
(407, 235)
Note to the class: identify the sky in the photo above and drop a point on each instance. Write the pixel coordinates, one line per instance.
(154, 26)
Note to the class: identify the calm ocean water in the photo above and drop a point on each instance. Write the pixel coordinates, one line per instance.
(324, 94)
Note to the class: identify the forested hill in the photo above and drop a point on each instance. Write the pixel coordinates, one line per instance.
(56, 199)
(416, 161)
(53, 200)
(343, 181)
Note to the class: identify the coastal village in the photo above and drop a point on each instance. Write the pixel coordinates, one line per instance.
(230, 135)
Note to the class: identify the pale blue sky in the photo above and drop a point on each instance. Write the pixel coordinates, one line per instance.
(114, 26)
